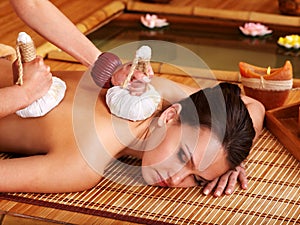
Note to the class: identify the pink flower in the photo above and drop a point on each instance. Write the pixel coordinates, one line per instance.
(152, 21)
(255, 29)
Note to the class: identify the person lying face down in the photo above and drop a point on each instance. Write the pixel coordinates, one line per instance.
(191, 141)
(216, 117)
(203, 136)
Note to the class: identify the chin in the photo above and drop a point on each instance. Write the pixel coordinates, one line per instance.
(147, 176)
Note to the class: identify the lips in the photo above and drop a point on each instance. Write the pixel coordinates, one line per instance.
(161, 182)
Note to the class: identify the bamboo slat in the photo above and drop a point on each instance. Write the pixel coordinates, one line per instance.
(248, 16)
(159, 8)
(228, 14)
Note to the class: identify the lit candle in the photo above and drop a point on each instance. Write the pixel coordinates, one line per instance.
(269, 70)
(269, 86)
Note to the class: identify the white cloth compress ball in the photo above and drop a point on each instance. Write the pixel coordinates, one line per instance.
(45, 104)
(26, 53)
(130, 107)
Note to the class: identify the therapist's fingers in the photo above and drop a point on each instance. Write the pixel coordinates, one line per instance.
(138, 87)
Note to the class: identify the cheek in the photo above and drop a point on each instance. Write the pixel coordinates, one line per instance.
(217, 168)
(155, 157)
(161, 147)
(189, 181)
(161, 158)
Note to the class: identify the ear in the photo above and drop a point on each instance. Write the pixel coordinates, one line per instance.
(169, 115)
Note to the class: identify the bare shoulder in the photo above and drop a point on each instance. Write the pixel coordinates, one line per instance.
(172, 91)
(257, 112)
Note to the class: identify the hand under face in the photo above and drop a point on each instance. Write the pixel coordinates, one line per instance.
(225, 184)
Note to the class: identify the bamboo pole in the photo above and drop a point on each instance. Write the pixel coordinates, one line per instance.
(239, 15)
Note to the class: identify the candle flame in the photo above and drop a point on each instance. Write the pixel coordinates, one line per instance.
(269, 70)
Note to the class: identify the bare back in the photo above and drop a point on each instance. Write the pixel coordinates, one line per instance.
(42, 134)
(60, 164)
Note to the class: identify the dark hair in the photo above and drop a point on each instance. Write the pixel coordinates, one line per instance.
(221, 109)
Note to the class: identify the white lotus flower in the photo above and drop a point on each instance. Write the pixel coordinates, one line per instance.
(152, 21)
(255, 29)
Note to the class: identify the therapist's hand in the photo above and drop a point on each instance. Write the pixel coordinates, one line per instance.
(139, 82)
(226, 183)
(37, 79)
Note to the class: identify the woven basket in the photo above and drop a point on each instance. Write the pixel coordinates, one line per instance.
(289, 7)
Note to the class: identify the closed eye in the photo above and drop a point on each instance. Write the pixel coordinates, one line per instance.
(182, 156)
(200, 180)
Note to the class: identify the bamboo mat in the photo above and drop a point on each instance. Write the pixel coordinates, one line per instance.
(273, 196)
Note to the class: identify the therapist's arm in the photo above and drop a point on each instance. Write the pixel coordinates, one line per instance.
(47, 20)
(37, 81)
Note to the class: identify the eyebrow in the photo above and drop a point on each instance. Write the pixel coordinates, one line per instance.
(194, 164)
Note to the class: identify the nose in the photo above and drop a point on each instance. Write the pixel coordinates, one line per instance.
(179, 178)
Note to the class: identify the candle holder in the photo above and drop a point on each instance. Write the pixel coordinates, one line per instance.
(269, 86)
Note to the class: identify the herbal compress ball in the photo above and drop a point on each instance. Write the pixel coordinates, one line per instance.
(122, 104)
